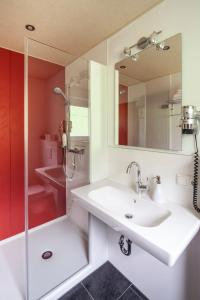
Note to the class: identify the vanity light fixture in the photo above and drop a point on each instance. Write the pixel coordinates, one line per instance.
(162, 46)
(29, 27)
(135, 57)
(127, 51)
(142, 43)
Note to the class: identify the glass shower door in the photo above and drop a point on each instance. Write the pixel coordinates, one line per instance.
(55, 163)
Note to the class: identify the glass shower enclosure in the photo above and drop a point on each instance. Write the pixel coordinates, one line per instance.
(56, 160)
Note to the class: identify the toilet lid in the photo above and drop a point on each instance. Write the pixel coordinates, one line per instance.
(35, 189)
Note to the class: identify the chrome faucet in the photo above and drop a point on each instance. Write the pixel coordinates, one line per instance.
(140, 187)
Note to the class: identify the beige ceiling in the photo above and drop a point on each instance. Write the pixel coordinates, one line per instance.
(127, 80)
(152, 63)
(74, 26)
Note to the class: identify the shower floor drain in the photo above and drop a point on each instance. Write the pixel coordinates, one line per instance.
(47, 254)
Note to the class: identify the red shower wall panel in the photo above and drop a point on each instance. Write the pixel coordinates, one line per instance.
(123, 115)
(11, 143)
(17, 142)
(4, 143)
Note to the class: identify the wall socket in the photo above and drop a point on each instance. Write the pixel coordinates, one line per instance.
(184, 179)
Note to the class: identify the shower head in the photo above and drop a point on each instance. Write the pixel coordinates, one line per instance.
(58, 91)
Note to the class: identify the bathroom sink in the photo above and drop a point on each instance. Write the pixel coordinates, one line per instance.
(163, 230)
(53, 175)
(129, 206)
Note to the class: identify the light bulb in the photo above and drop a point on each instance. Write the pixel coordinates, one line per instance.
(135, 57)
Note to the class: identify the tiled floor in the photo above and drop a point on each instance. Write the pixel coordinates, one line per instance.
(106, 283)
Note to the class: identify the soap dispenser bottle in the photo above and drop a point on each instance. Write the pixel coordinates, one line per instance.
(157, 193)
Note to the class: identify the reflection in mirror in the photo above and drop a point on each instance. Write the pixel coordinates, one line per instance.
(149, 97)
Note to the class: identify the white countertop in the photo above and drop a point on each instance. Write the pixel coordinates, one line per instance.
(166, 241)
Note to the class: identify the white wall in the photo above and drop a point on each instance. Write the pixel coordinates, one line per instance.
(98, 128)
(98, 53)
(155, 279)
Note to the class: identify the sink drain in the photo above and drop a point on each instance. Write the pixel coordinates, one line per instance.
(128, 216)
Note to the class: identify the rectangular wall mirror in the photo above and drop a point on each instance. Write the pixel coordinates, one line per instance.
(148, 97)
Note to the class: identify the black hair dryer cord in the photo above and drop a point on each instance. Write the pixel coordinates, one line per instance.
(196, 173)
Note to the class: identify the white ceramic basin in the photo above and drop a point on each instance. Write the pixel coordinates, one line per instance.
(122, 204)
(162, 230)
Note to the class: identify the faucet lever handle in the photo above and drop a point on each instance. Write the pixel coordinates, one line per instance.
(144, 187)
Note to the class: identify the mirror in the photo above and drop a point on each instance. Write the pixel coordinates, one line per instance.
(149, 97)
